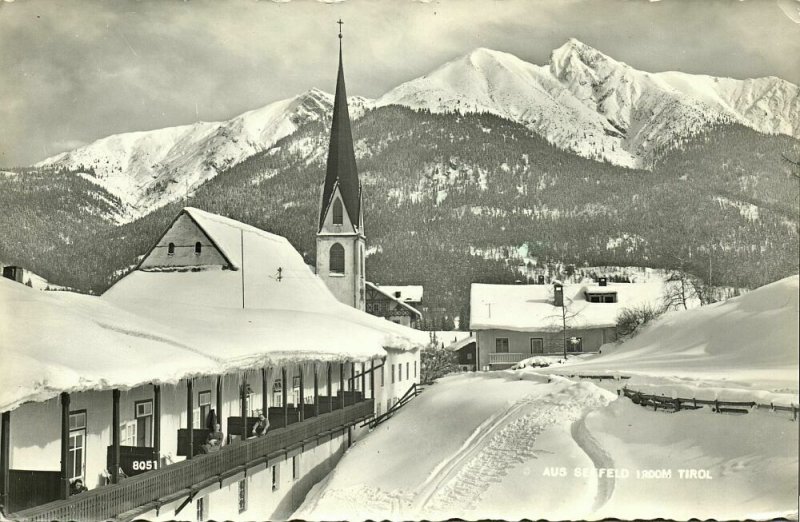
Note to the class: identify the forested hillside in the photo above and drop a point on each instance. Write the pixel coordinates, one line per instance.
(445, 196)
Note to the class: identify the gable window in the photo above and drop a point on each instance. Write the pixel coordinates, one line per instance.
(171, 249)
(537, 345)
(338, 215)
(501, 345)
(336, 261)
(198, 248)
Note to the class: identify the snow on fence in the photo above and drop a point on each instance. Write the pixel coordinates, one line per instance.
(677, 404)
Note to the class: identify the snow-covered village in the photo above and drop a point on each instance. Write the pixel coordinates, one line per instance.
(518, 260)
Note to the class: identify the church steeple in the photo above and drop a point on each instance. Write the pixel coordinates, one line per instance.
(341, 242)
(341, 169)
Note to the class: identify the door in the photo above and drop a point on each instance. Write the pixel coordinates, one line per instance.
(537, 345)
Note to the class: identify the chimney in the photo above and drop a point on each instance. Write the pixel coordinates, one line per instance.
(603, 281)
(558, 295)
(14, 273)
(541, 279)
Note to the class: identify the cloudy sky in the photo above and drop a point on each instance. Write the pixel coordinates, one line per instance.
(72, 71)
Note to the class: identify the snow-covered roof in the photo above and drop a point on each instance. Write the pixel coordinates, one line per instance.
(382, 290)
(408, 293)
(461, 343)
(171, 323)
(530, 308)
(62, 341)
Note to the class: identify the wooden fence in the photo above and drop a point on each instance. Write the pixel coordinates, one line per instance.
(678, 404)
(147, 491)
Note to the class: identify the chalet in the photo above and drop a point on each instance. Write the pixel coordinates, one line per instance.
(219, 323)
(394, 303)
(514, 322)
(466, 353)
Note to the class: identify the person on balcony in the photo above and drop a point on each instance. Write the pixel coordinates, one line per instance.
(213, 441)
(261, 426)
(77, 487)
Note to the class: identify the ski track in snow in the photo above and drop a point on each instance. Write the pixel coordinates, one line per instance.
(599, 457)
(506, 440)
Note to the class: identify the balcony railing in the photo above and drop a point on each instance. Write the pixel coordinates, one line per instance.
(147, 490)
(507, 358)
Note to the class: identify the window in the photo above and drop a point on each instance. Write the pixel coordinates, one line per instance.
(408, 374)
(336, 261)
(171, 249)
(610, 298)
(537, 345)
(393, 373)
(198, 248)
(415, 369)
(338, 215)
(144, 423)
(200, 505)
(276, 478)
(382, 376)
(501, 345)
(243, 495)
(469, 356)
(378, 409)
(76, 455)
(296, 467)
(575, 344)
(204, 402)
(296, 389)
(127, 434)
(277, 393)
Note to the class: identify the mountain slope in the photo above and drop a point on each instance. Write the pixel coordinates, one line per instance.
(147, 169)
(591, 104)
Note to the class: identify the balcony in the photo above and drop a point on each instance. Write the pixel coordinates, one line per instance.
(152, 489)
(507, 358)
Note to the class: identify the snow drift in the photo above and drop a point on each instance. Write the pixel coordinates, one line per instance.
(752, 340)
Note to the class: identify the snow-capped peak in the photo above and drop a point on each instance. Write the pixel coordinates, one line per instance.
(598, 107)
(150, 168)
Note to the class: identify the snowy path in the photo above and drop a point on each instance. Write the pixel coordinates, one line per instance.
(505, 440)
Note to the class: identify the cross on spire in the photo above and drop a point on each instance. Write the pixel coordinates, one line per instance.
(340, 28)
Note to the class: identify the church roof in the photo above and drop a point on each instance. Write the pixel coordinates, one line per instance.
(341, 168)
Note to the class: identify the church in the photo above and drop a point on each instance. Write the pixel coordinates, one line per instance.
(144, 402)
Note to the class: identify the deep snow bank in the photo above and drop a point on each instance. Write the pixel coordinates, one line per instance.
(750, 341)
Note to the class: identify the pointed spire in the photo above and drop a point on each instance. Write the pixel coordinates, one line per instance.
(341, 166)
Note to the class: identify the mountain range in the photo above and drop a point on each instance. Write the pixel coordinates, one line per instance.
(582, 101)
(487, 169)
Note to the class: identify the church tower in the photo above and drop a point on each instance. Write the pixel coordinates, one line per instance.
(340, 236)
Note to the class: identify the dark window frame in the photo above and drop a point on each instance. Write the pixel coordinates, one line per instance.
(336, 259)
